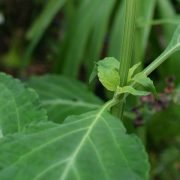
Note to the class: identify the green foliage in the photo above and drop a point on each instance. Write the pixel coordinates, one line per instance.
(19, 106)
(52, 150)
(172, 48)
(168, 164)
(165, 125)
(61, 130)
(62, 96)
(146, 82)
(108, 73)
(166, 11)
(40, 25)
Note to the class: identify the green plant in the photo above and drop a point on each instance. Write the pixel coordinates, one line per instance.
(92, 143)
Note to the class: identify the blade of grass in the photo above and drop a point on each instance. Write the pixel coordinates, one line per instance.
(98, 34)
(72, 51)
(39, 26)
(166, 10)
(116, 32)
(145, 13)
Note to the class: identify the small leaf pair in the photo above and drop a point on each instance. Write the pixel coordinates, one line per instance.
(108, 74)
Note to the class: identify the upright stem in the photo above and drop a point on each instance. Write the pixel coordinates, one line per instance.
(127, 40)
(127, 45)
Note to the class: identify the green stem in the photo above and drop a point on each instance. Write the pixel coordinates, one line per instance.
(128, 40)
(127, 46)
(159, 60)
(159, 22)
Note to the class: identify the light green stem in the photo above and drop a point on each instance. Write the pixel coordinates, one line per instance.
(128, 40)
(127, 46)
(159, 60)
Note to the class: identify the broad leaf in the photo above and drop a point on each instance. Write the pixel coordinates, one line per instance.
(90, 146)
(19, 106)
(108, 73)
(62, 96)
(131, 90)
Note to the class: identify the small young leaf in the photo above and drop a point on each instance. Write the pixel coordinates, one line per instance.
(132, 70)
(108, 73)
(131, 90)
(145, 81)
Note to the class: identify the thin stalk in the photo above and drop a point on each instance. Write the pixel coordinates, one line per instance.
(127, 46)
(158, 61)
(159, 22)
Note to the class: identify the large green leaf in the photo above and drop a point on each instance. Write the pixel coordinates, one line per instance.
(90, 146)
(19, 106)
(63, 96)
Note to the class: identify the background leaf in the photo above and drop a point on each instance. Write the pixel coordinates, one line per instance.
(63, 96)
(40, 25)
(165, 125)
(166, 11)
(19, 106)
(76, 37)
(99, 33)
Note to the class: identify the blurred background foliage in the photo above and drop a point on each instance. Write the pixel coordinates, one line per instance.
(67, 37)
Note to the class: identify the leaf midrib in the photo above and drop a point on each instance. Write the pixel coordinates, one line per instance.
(74, 155)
